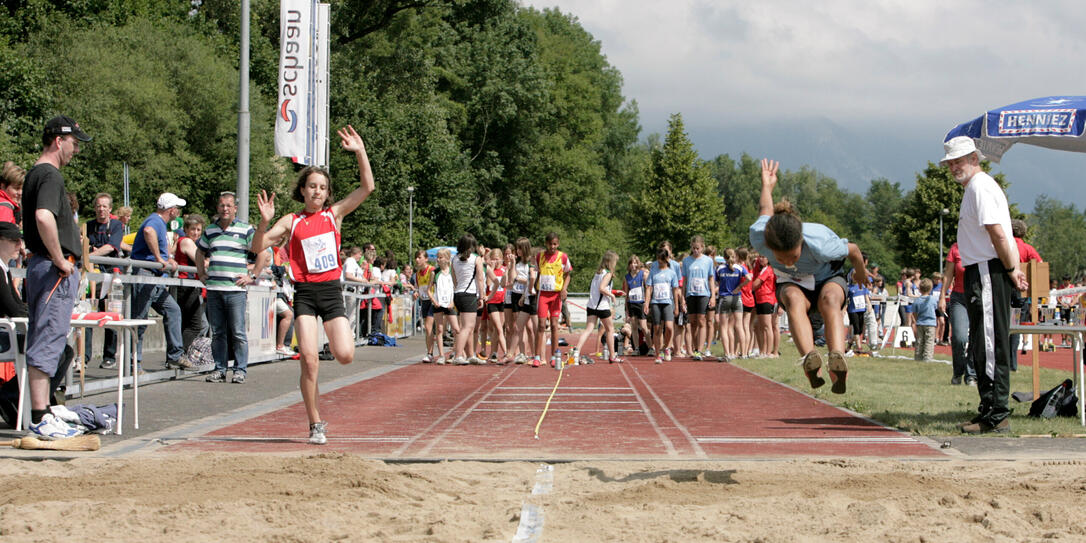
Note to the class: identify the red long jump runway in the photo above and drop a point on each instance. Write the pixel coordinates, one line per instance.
(637, 410)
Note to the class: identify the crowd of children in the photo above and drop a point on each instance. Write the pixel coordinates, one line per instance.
(503, 305)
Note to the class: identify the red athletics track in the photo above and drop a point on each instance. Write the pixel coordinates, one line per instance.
(637, 410)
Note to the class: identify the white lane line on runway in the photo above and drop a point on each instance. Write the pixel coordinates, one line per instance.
(432, 443)
(594, 410)
(452, 409)
(594, 394)
(689, 437)
(301, 439)
(563, 388)
(648, 415)
(806, 440)
(538, 402)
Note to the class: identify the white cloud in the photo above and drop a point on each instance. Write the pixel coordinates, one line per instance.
(935, 63)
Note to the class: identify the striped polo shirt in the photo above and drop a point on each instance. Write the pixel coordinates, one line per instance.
(227, 252)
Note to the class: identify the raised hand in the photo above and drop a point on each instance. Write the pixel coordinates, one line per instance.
(266, 204)
(349, 140)
(769, 172)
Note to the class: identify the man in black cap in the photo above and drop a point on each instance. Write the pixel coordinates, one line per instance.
(52, 280)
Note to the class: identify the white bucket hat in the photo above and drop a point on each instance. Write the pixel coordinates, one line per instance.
(959, 147)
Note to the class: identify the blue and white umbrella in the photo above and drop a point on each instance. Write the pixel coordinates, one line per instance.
(1055, 122)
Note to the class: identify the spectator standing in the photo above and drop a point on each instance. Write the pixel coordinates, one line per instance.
(150, 246)
(1026, 252)
(104, 235)
(190, 299)
(992, 274)
(225, 244)
(52, 280)
(952, 300)
(11, 193)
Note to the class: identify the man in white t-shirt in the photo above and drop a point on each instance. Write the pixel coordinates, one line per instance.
(992, 274)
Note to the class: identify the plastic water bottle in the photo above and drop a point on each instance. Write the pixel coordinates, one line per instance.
(115, 303)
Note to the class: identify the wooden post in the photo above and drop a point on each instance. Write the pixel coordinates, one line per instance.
(1037, 275)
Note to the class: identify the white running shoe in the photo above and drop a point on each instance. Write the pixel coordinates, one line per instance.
(316, 433)
(51, 428)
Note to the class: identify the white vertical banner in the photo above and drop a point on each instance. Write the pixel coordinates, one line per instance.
(322, 58)
(292, 119)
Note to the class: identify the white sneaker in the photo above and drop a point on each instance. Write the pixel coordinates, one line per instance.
(426, 359)
(316, 433)
(285, 351)
(51, 428)
(667, 354)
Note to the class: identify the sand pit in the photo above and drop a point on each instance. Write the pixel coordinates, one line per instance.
(336, 497)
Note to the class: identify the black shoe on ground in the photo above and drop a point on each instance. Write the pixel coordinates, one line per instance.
(216, 377)
(108, 365)
(971, 381)
(956, 380)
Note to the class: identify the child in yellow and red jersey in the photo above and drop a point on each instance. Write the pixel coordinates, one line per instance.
(553, 284)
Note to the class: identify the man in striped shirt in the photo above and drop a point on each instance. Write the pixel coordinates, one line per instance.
(225, 244)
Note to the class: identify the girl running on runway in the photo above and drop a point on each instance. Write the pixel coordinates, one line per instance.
(313, 246)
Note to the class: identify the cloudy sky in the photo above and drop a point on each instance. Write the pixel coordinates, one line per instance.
(914, 67)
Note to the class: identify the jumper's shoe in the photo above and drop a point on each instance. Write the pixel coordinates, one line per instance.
(427, 359)
(475, 361)
(536, 362)
(812, 363)
(285, 351)
(696, 355)
(838, 372)
(659, 360)
(316, 433)
(983, 427)
(667, 354)
(520, 358)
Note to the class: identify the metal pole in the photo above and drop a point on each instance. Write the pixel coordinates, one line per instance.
(942, 213)
(243, 118)
(410, 223)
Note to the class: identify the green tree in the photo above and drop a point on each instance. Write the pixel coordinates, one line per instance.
(680, 199)
(915, 228)
(1061, 236)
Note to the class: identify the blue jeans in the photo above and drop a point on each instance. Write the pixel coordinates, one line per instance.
(145, 297)
(226, 314)
(959, 336)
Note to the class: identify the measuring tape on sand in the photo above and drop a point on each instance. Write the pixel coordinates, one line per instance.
(547, 406)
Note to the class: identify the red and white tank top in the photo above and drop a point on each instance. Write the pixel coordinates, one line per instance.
(497, 295)
(313, 248)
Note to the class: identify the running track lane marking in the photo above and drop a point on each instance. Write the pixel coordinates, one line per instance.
(807, 440)
(648, 415)
(426, 450)
(686, 433)
(401, 450)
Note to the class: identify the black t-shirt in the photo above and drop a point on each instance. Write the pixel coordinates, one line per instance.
(44, 189)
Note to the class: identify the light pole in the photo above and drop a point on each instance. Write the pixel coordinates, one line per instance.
(942, 214)
(410, 222)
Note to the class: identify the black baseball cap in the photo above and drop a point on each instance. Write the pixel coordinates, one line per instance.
(8, 230)
(62, 125)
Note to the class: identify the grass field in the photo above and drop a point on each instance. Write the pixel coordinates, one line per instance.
(916, 397)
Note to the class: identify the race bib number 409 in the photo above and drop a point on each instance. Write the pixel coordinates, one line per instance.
(320, 252)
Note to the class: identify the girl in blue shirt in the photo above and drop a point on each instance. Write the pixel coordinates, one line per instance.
(662, 291)
(808, 259)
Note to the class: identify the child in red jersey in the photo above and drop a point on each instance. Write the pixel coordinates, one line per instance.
(314, 242)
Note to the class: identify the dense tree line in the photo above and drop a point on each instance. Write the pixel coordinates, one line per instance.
(507, 120)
